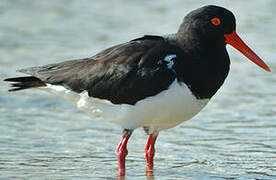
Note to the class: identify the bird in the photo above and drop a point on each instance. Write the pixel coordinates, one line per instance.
(151, 82)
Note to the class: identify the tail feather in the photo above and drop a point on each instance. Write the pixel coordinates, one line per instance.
(25, 83)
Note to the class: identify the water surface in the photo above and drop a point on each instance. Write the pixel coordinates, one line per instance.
(43, 137)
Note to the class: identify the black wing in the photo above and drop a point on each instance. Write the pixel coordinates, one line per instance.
(122, 74)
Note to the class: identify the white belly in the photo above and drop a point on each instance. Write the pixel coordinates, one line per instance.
(162, 111)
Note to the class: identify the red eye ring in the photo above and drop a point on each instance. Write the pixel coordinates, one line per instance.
(215, 21)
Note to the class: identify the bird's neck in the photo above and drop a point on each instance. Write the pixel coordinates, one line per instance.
(193, 42)
(207, 64)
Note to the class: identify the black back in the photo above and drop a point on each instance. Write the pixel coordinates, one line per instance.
(125, 73)
(132, 71)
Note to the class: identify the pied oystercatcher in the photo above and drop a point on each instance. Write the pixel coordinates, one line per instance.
(154, 82)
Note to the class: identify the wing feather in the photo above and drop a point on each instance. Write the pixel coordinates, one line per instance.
(122, 74)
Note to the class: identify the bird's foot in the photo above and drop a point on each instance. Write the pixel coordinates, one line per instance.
(149, 152)
(122, 152)
(149, 158)
(121, 156)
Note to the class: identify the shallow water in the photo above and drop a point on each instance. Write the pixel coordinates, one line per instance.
(43, 137)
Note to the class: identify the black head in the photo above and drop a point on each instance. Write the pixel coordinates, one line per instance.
(209, 23)
(211, 27)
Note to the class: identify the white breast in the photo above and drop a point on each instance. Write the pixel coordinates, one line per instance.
(162, 111)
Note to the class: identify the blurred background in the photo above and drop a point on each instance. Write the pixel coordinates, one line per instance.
(43, 137)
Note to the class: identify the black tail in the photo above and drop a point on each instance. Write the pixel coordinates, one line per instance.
(25, 83)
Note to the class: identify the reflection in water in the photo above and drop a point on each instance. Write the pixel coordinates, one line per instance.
(121, 177)
(149, 175)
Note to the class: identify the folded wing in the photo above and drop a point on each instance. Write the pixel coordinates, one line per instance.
(118, 74)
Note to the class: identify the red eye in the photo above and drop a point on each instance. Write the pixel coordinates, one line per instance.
(215, 21)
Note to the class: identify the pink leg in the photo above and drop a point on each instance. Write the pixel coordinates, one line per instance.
(122, 152)
(149, 152)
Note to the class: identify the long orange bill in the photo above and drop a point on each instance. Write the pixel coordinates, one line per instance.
(234, 40)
